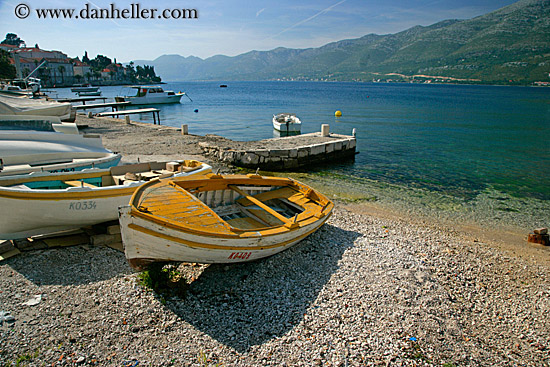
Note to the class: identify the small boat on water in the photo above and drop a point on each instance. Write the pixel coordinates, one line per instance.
(218, 219)
(31, 149)
(151, 95)
(41, 203)
(287, 122)
(89, 94)
(84, 88)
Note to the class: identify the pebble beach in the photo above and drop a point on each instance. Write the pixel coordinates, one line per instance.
(370, 288)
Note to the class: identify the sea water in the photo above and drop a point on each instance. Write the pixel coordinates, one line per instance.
(468, 153)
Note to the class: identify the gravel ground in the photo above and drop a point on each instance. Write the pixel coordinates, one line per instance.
(362, 291)
(359, 292)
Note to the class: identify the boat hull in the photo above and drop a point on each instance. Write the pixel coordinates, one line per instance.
(75, 165)
(154, 100)
(286, 122)
(11, 105)
(89, 94)
(289, 128)
(49, 213)
(27, 211)
(146, 242)
(84, 89)
(27, 151)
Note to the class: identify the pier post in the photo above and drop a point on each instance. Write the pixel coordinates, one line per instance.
(127, 118)
(184, 129)
(325, 130)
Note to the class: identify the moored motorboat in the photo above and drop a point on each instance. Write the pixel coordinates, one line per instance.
(84, 88)
(41, 203)
(151, 95)
(287, 122)
(218, 219)
(89, 94)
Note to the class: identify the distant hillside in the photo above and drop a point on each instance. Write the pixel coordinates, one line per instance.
(508, 46)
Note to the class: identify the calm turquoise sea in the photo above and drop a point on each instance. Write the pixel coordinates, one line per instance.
(464, 150)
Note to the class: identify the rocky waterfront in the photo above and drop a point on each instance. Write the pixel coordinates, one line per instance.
(364, 290)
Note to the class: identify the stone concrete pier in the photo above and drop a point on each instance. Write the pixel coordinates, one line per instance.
(282, 154)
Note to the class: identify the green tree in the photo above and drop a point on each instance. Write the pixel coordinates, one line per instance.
(100, 62)
(12, 39)
(7, 70)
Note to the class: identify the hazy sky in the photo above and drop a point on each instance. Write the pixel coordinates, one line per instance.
(228, 27)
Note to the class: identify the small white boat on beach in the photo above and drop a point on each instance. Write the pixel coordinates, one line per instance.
(218, 219)
(151, 95)
(23, 105)
(38, 123)
(42, 203)
(30, 150)
(287, 122)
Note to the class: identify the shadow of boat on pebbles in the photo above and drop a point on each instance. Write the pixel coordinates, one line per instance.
(70, 266)
(242, 305)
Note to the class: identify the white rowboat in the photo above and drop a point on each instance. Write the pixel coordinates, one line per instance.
(287, 122)
(24, 151)
(41, 203)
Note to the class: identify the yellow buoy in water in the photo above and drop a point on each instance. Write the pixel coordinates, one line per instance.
(338, 113)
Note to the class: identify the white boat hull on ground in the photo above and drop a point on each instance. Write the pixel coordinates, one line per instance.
(28, 212)
(27, 151)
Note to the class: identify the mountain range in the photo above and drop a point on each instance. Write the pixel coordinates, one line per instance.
(508, 46)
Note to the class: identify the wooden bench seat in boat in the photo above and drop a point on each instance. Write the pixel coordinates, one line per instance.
(79, 184)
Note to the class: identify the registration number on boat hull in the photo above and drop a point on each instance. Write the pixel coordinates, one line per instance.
(82, 205)
(240, 255)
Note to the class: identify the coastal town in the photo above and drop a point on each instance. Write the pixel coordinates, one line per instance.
(56, 69)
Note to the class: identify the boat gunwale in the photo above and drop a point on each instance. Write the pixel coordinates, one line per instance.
(325, 209)
(73, 193)
(320, 222)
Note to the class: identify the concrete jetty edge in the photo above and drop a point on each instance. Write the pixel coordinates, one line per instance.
(283, 154)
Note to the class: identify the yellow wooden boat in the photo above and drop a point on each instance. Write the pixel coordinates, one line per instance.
(218, 219)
